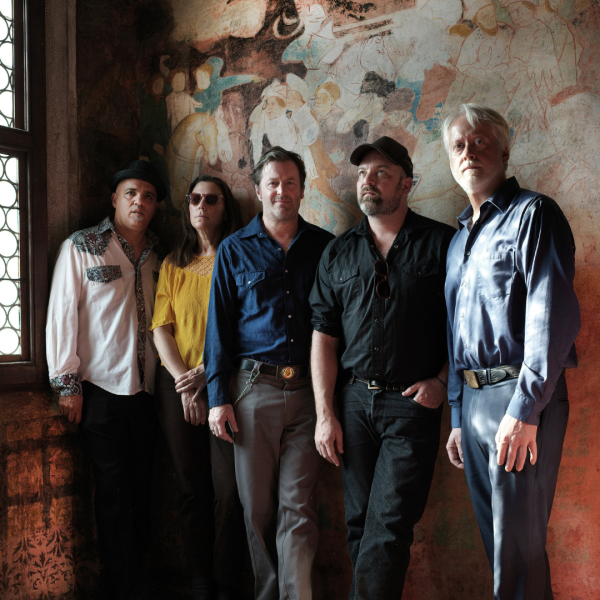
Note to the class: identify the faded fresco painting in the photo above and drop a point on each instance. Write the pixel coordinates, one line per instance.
(321, 77)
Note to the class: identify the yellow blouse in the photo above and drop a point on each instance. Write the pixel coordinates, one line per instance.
(182, 300)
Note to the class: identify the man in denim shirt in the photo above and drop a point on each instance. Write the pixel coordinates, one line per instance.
(256, 357)
(513, 319)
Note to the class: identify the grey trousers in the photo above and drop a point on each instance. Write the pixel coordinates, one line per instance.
(277, 465)
(513, 509)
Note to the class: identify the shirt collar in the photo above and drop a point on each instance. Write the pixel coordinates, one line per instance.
(255, 227)
(500, 199)
(411, 222)
(107, 224)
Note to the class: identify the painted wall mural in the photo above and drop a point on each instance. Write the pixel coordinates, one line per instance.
(203, 86)
(323, 76)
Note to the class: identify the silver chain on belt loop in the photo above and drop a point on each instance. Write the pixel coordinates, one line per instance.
(253, 375)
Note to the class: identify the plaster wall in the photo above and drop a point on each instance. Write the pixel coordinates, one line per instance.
(394, 68)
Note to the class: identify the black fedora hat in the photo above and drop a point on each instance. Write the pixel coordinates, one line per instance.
(390, 148)
(140, 169)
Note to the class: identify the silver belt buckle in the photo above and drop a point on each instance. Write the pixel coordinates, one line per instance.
(372, 387)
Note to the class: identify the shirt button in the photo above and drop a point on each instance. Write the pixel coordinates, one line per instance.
(372, 246)
(395, 245)
(289, 316)
(287, 292)
(291, 340)
(286, 270)
(249, 282)
(376, 349)
(376, 320)
(469, 253)
(278, 249)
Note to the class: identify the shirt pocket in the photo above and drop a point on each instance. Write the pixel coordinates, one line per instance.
(252, 290)
(419, 281)
(347, 284)
(495, 274)
(420, 269)
(106, 285)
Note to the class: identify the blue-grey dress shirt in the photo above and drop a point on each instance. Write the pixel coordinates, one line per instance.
(258, 305)
(510, 298)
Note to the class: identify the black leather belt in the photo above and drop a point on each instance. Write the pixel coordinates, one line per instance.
(481, 377)
(374, 384)
(279, 371)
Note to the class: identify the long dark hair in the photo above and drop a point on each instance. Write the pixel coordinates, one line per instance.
(187, 246)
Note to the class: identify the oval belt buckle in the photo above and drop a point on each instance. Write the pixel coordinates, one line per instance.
(287, 373)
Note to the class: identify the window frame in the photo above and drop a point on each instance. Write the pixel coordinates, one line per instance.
(30, 143)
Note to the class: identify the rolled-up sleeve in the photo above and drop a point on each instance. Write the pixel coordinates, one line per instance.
(219, 339)
(552, 319)
(62, 324)
(326, 311)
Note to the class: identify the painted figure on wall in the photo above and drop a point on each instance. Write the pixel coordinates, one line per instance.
(335, 79)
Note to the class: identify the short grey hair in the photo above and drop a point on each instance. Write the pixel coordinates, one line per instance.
(476, 114)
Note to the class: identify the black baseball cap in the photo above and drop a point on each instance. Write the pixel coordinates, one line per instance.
(390, 148)
(140, 169)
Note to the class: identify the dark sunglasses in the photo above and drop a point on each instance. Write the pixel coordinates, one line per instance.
(194, 199)
(382, 287)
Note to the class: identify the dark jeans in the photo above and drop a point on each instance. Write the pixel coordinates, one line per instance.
(513, 509)
(203, 522)
(390, 448)
(119, 433)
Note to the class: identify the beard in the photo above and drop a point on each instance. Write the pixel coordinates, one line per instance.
(474, 179)
(376, 206)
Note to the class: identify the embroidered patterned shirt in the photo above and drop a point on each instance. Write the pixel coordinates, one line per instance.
(182, 301)
(100, 308)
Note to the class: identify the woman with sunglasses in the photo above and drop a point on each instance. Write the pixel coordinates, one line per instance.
(179, 323)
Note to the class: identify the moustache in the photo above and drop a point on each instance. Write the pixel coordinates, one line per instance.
(370, 188)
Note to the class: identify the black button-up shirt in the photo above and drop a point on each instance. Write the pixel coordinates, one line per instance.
(400, 340)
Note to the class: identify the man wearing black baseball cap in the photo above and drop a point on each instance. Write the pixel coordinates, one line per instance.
(101, 362)
(379, 323)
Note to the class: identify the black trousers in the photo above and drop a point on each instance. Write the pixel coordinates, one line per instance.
(390, 447)
(202, 522)
(119, 433)
(513, 509)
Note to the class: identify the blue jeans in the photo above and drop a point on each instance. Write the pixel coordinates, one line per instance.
(390, 447)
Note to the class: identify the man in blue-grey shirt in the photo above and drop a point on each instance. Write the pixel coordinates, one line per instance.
(513, 318)
(256, 356)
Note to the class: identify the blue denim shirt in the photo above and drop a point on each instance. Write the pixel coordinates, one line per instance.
(259, 302)
(510, 298)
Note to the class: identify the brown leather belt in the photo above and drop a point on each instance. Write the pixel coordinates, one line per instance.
(374, 384)
(481, 377)
(279, 371)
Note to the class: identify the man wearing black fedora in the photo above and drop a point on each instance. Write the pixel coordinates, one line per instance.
(101, 362)
(379, 321)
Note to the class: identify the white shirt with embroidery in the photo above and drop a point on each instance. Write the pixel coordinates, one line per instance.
(100, 309)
